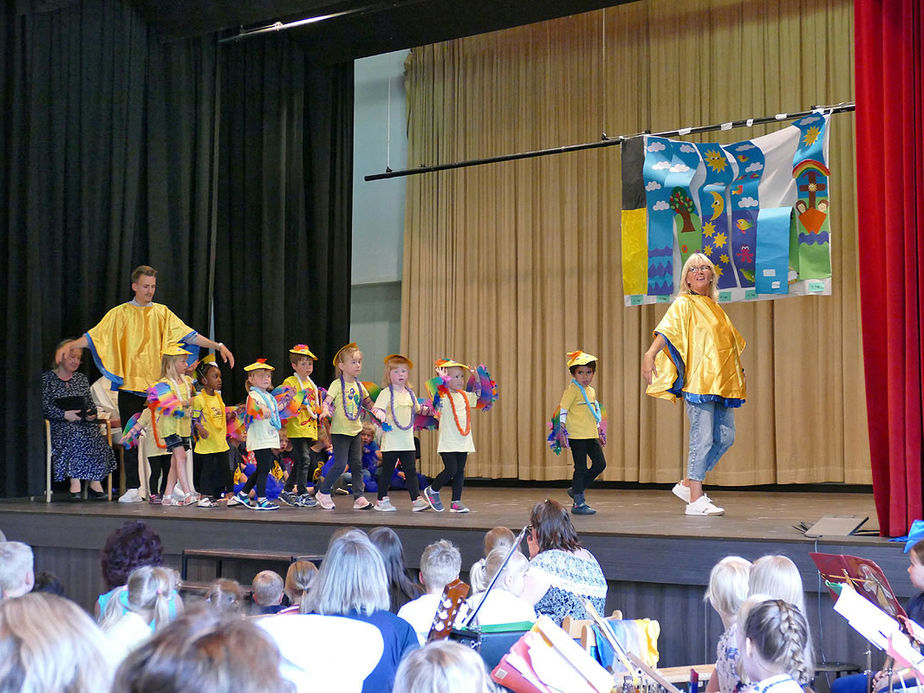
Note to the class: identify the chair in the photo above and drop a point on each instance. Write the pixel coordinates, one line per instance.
(105, 429)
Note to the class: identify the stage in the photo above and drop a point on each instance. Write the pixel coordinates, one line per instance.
(656, 559)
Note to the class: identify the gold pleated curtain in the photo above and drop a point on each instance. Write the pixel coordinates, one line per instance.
(514, 264)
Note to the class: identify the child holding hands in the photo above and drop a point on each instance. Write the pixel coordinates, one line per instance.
(302, 428)
(262, 433)
(212, 449)
(397, 407)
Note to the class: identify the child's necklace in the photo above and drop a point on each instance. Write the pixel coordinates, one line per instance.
(394, 416)
(343, 399)
(468, 414)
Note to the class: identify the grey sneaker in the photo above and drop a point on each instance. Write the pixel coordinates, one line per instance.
(385, 506)
(582, 509)
(419, 504)
(306, 501)
(288, 498)
(433, 498)
(457, 507)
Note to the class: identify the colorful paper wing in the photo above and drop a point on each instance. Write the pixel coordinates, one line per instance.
(132, 441)
(372, 389)
(235, 425)
(601, 427)
(481, 382)
(162, 397)
(425, 422)
(558, 434)
(288, 402)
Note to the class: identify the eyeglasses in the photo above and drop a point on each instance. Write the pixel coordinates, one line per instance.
(701, 268)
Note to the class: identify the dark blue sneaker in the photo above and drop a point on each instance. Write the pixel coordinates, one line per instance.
(433, 498)
(582, 509)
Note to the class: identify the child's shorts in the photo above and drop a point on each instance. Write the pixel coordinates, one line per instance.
(174, 441)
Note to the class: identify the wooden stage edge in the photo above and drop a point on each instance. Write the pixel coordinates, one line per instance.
(656, 559)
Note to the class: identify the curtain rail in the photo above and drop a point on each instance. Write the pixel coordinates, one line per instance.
(607, 141)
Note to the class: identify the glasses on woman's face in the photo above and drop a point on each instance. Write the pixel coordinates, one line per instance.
(701, 268)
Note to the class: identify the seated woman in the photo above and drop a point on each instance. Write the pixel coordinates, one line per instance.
(561, 574)
(78, 449)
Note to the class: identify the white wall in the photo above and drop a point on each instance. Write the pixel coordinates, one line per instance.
(379, 140)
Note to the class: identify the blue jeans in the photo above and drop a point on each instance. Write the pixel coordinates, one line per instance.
(712, 432)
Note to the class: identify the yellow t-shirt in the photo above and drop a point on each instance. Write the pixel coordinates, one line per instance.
(127, 343)
(210, 409)
(580, 420)
(405, 408)
(176, 425)
(340, 423)
(451, 438)
(305, 423)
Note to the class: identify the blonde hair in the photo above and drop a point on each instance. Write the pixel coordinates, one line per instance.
(440, 564)
(778, 578)
(443, 666)
(268, 588)
(352, 577)
(48, 643)
(16, 563)
(698, 259)
(517, 565)
(344, 354)
(493, 539)
(298, 579)
(728, 585)
(779, 636)
(167, 367)
(149, 589)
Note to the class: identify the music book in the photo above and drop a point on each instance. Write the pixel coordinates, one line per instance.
(863, 575)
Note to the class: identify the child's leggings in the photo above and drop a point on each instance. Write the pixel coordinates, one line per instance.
(345, 448)
(301, 463)
(258, 478)
(160, 468)
(454, 469)
(408, 466)
(581, 449)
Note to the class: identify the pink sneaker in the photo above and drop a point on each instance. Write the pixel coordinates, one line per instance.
(325, 501)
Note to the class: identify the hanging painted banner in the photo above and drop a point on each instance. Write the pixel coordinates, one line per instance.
(758, 209)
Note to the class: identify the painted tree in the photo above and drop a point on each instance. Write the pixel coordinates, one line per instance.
(683, 206)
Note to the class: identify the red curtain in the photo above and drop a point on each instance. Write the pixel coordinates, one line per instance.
(890, 203)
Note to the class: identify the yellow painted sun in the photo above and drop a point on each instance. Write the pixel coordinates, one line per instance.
(811, 135)
(718, 271)
(707, 251)
(708, 228)
(723, 258)
(720, 239)
(715, 160)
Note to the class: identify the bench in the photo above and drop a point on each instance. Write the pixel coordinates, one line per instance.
(219, 556)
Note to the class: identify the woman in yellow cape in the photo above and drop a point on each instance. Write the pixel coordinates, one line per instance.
(696, 355)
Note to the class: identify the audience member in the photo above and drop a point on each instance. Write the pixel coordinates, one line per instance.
(439, 565)
(443, 666)
(728, 587)
(48, 583)
(352, 583)
(146, 604)
(225, 596)
(495, 538)
(131, 546)
(504, 603)
(298, 579)
(562, 574)
(401, 588)
(268, 591)
(48, 643)
(774, 644)
(203, 652)
(16, 569)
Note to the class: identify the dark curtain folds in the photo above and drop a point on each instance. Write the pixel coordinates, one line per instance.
(108, 159)
(890, 199)
(283, 261)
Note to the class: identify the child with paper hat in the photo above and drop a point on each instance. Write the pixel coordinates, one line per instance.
(302, 428)
(346, 398)
(581, 426)
(211, 451)
(397, 406)
(168, 411)
(263, 424)
(453, 407)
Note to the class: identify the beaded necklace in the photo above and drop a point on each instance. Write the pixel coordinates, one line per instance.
(594, 407)
(468, 414)
(343, 399)
(394, 416)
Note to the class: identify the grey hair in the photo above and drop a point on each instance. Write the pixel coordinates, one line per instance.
(440, 564)
(48, 643)
(352, 578)
(779, 635)
(442, 666)
(16, 562)
(268, 588)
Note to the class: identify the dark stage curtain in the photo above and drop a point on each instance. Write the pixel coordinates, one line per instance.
(283, 256)
(109, 159)
(890, 200)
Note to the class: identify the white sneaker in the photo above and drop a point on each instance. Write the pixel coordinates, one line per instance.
(420, 503)
(132, 495)
(681, 491)
(702, 506)
(385, 506)
(324, 500)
